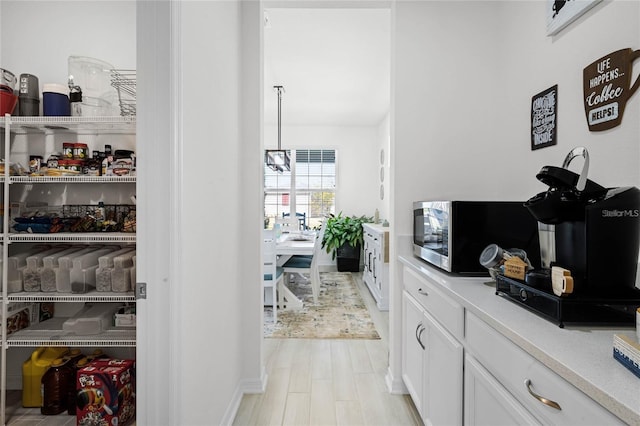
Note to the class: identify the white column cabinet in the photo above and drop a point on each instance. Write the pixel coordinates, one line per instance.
(376, 263)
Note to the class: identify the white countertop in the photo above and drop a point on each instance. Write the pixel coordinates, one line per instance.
(581, 355)
(377, 226)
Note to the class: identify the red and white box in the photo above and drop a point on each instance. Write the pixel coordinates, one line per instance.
(106, 393)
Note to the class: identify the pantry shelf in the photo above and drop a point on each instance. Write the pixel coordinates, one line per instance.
(103, 125)
(94, 296)
(61, 237)
(111, 338)
(50, 333)
(71, 179)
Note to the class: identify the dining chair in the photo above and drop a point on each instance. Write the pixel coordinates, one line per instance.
(272, 274)
(288, 224)
(300, 264)
(302, 219)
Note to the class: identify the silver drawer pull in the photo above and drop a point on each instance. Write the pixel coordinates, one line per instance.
(545, 401)
(422, 292)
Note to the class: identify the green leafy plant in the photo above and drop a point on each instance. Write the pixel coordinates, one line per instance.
(340, 230)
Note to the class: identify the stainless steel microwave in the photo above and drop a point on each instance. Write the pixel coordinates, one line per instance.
(451, 234)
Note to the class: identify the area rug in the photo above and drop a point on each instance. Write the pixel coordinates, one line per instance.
(339, 314)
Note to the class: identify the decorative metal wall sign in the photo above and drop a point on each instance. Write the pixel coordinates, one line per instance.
(607, 88)
(544, 113)
(561, 13)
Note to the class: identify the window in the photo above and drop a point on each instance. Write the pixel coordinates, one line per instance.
(308, 189)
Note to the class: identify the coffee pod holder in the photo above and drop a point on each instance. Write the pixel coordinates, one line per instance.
(494, 258)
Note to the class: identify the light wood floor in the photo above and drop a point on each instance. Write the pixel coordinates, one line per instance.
(328, 382)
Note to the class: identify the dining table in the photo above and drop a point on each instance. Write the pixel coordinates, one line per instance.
(292, 244)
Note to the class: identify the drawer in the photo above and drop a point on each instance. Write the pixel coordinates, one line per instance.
(513, 367)
(445, 310)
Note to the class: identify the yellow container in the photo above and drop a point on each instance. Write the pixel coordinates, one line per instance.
(32, 371)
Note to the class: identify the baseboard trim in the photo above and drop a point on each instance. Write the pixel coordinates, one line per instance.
(246, 386)
(395, 386)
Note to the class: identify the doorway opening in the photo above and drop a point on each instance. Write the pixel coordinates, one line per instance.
(334, 65)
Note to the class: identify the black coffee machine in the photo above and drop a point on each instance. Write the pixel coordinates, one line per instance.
(594, 233)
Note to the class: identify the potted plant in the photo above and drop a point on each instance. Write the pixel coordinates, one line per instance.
(343, 239)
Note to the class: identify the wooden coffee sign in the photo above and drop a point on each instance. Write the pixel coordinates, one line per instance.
(544, 107)
(607, 88)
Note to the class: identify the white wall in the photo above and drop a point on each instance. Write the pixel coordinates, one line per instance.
(464, 76)
(38, 36)
(216, 296)
(384, 145)
(357, 151)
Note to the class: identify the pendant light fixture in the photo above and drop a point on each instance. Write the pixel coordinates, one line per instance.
(278, 159)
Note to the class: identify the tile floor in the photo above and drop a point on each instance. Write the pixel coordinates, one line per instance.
(328, 382)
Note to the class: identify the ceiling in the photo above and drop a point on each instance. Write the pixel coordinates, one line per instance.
(334, 65)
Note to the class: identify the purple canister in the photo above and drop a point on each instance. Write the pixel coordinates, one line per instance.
(55, 100)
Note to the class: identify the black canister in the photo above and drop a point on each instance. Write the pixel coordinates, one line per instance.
(29, 95)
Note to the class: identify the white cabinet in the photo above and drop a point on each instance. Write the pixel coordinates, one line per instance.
(538, 390)
(432, 363)
(376, 263)
(454, 362)
(487, 403)
(25, 136)
(413, 349)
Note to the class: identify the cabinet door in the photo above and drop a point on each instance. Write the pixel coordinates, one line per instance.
(443, 376)
(412, 348)
(487, 402)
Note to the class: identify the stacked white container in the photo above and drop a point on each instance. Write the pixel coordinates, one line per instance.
(105, 267)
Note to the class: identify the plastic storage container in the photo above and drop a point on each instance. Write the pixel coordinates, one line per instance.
(31, 274)
(65, 264)
(29, 95)
(32, 371)
(133, 274)
(55, 100)
(121, 274)
(16, 263)
(8, 102)
(83, 272)
(95, 107)
(92, 319)
(49, 267)
(93, 76)
(105, 267)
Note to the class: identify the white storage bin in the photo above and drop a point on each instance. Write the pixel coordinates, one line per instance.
(121, 275)
(65, 264)
(92, 319)
(105, 267)
(49, 267)
(15, 266)
(83, 272)
(133, 274)
(31, 274)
